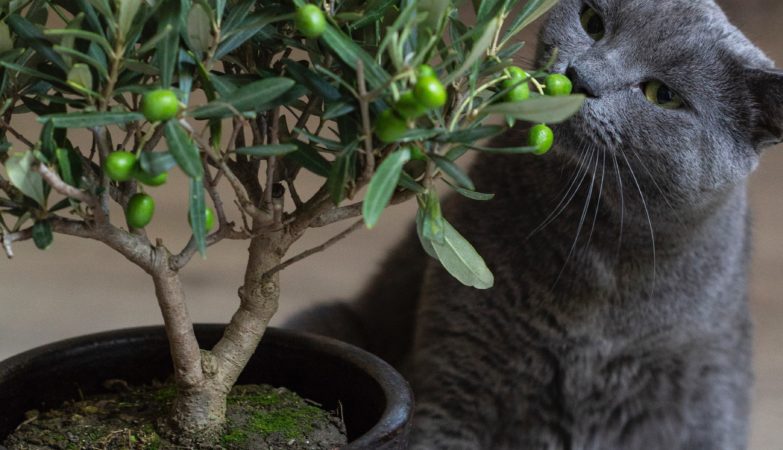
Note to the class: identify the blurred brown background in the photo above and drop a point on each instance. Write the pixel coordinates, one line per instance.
(80, 287)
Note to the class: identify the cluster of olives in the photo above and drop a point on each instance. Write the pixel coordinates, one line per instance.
(157, 106)
(540, 136)
(428, 93)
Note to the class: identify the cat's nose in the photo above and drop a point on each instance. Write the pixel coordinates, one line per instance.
(581, 85)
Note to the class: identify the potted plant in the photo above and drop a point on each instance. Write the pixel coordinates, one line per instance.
(249, 93)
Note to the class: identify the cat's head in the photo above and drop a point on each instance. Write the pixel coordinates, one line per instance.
(674, 90)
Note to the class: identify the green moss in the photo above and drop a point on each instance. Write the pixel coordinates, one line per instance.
(166, 394)
(236, 436)
(264, 399)
(291, 422)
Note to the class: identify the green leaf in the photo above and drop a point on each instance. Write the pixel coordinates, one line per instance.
(461, 260)
(263, 151)
(6, 43)
(340, 174)
(382, 186)
(425, 243)
(31, 35)
(64, 163)
(80, 34)
(250, 97)
(42, 234)
(350, 52)
(199, 29)
(532, 11)
(183, 149)
(90, 119)
(471, 135)
(308, 78)
(407, 182)
(197, 212)
(338, 109)
(473, 195)
(80, 76)
(543, 109)
(504, 150)
(156, 163)
(311, 160)
(478, 51)
(99, 66)
(453, 171)
(167, 49)
(127, 12)
(432, 226)
(24, 177)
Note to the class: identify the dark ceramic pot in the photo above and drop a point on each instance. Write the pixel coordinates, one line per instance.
(377, 402)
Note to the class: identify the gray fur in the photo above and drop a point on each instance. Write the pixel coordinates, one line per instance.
(623, 323)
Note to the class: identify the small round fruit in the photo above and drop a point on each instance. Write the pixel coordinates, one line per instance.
(119, 165)
(520, 90)
(516, 73)
(389, 127)
(558, 84)
(159, 105)
(310, 21)
(409, 107)
(425, 70)
(430, 92)
(541, 137)
(209, 219)
(141, 208)
(150, 180)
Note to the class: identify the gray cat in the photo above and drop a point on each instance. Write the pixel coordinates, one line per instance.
(619, 319)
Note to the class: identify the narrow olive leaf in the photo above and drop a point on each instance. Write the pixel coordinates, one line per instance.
(197, 212)
(48, 144)
(471, 194)
(425, 243)
(167, 49)
(22, 175)
(454, 171)
(407, 182)
(42, 234)
(80, 34)
(99, 66)
(90, 119)
(471, 135)
(31, 35)
(199, 29)
(532, 11)
(461, 260)
(432, 225)
(183, 149)
(311, 160)
(156, 163)
(80, 76)
(478, 51)
(64, 164)
(247, 98)
(486, 9)
(338, 109)
(339, 175)
(543, 109)
(6, 43)
(350, 52)
(126, 14)
(374, 10)
(382, 186)
(263, 151)
(308, 78)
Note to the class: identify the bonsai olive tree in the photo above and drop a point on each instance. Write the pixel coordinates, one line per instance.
(377, 98)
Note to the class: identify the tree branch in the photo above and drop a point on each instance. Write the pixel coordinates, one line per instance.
(354, 210)
(53, 180)
(307, 253)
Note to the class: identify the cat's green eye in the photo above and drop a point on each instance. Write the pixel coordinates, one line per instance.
(662, 95)
(592, 23)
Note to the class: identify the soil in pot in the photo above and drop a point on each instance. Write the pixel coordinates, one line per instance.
(259, 417)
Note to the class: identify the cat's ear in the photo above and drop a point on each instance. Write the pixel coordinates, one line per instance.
(766, 88)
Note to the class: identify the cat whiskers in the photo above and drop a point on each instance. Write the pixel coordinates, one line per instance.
(572, 189)
(619, 180)
(594, 152)
(649, 220)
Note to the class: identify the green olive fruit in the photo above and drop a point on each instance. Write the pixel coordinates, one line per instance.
(541, 137)
(119, 165)
(141, 208)
(310, 21)
(558, 84)
(159, 105)
(430, 92)
(409, 107)
(389, 127)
